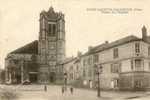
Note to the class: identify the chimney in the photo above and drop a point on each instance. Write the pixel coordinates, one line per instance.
(106, 42)
(79, 53)
(144, 33)
(89, 48)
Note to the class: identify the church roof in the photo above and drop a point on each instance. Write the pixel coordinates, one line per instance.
(31, 48)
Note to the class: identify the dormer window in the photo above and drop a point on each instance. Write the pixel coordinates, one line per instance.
(49, 28)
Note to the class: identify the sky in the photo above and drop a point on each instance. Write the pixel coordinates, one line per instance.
(87, 22)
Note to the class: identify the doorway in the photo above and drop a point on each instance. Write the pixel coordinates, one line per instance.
(114, 83)
(137, 84)
(52, 77)
(18, 77)
(33, 78)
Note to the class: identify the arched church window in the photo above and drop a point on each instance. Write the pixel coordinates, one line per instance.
(52, 29)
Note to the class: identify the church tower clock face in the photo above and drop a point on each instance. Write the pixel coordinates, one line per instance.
(51, 48)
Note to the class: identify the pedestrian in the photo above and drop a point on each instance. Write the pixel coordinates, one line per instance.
(65, 88)
(45, 88)
(71, 90)
(62, 90)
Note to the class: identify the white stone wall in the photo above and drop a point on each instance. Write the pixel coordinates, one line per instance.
(146, 65)
(126, 56)
(146, 57)
(88, 67)
(144, 49)
(126, 65)
(125, 51)
(67, 69)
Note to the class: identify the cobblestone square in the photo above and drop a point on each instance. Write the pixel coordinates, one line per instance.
(36, 92)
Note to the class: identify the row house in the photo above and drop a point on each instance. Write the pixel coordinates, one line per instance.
(124, 63)
(72, 67)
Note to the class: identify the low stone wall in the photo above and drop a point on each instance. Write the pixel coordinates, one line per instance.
(8, 94)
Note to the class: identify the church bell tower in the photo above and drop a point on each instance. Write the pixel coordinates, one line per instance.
(51, 46)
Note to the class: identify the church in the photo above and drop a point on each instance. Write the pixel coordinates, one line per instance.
(123, 64)
(39, 61)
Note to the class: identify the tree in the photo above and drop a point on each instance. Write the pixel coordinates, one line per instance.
(2, 76)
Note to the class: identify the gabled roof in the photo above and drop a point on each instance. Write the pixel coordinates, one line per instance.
(31, 48)
(105, 46)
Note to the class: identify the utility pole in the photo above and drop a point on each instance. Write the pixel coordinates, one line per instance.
(99, 69)
(22, 71)
(65, 80)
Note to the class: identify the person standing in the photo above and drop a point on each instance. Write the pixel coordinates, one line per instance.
(62, 90)
(71, 90)
(45, 88)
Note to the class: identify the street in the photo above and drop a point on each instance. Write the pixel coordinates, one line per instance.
(36, 92)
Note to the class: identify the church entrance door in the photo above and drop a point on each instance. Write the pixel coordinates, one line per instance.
(52, 77)
(33, 78)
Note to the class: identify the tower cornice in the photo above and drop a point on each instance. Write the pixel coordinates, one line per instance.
(51, 14)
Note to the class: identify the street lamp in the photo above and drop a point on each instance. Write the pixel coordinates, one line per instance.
(65, 80)
(99, 69)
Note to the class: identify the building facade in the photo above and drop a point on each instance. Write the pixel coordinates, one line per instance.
(51, 47)
(123, 64)
(37, 61)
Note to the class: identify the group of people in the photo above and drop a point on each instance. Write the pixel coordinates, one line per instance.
(64, 88)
